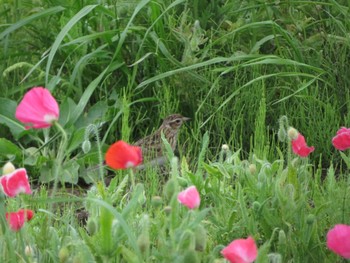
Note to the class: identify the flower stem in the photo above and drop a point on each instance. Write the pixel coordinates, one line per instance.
(60, 156)
(132, 178)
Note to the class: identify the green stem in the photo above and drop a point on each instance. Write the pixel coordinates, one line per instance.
(60, 157)
(100, 157)
(132, 178)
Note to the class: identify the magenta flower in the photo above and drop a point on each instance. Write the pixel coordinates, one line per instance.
(16, 182)
(241, 251)
(121, 155)
(300, 147)
(38, 109)
(189, 197)
(342, 140)
(338, 240)
(17, 219)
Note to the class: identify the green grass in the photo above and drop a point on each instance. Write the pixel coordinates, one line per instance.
(235, 68)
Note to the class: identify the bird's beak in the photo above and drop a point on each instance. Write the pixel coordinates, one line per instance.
(185, 118)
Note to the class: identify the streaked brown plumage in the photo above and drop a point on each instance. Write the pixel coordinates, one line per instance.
(152, 145)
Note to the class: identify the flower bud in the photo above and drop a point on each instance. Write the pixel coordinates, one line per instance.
(28, 251)
(292, 133)
(143, 242)
(77, 259)
(200, 238)
(281, 134)
(256, 206)
(310, 219)
(275, 258)
(282, 242)
(91, 226)
(156, 201)
(167, 210)
(225, 147)
(191, 256)
(252, 168)
(169, 188)
(63, 254)
(86, 146)
(182, 182)
(8, 168)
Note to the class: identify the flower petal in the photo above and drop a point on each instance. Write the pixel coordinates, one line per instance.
(300, 147)
(121, 155)
(189, 197)
(342, 140)
(338, 240)
(15, 183)
(38, 108)
(17, 219)
(241, 251)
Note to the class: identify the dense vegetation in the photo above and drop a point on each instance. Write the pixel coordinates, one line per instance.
(234, 68)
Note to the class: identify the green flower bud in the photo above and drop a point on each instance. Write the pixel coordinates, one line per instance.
(156, 201)
(77, 259)
(143, 242)
(86, 146)
(281, 134)
(310, 219)
(63, 254)
(200, 237)
(167, 210)
(182, 182)
(169, 188)
(191, 256)
(282, 241)
(91, 226)
(256, 206)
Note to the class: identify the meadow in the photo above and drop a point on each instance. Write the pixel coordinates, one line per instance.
(245, 72)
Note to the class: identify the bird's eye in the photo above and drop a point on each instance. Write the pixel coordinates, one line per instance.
(178, 121)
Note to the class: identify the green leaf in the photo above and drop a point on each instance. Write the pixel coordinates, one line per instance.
(70, 172)
(29, 19)
(7, 117)
(10, 150)
(64, 32)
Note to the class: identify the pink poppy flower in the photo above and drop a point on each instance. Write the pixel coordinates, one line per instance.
(300, 147)
(342, 140)
(189, 197)
(16, 182)
(38, 109)
(338, 240)
(241, 251)
(17, 219)
(121, 155)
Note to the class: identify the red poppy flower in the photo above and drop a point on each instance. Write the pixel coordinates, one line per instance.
(342, 140)
(17, 219)
(241, 251)
(38, 109)
(300, 147)
(189, 197)
(338, 240)
(15, 183)
(121, 155)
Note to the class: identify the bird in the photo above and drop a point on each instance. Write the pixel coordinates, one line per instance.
(152, 145)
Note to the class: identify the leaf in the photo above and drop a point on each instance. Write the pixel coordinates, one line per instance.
(29, 19)
(70, 172)
(64, 32)
(95, 113)
(66, 109)
(10, 150)
(7, 117)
